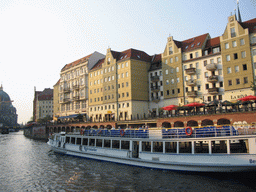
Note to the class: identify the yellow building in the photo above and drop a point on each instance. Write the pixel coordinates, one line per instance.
(238, 69)
(119, 86)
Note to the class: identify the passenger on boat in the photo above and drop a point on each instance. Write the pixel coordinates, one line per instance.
(113, 128)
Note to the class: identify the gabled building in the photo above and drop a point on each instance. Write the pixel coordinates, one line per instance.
(119, 86)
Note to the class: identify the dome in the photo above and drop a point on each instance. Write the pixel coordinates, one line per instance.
(4, 96)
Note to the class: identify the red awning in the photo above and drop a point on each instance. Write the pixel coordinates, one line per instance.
(170, 107)
(247, 98)
(195, 104)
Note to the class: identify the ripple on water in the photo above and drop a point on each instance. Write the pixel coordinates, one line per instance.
(28, 165)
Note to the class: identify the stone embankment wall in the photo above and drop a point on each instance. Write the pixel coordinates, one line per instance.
(38, 133)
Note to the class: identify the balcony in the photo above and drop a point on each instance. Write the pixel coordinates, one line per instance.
(155, 89)
(212, 79)
(66, 90)
(66, 100)
(192, 94)
(213, 91)
(211, 67)
(76, 98)
(190, 71)
(75, 86)
(156, 99)
(191, 82)
(155, 78)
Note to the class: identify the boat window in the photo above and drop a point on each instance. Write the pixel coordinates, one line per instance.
(67, 139)
(85, 141)
(99, 142)
(91, 142)
(107, 143)
(146, 146)
(115, 144)
(185, 147)
(125, 145)
(170, 147)
(158, 147)
(78, 141)
(201, 147)
(239, 146)
(219, 146)
(73, 140)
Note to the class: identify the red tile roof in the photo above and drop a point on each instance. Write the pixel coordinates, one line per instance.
(194, 43)
(131, 54)
(98, 64)
(250, 24)
(214, 42)
(46, 94)
(67, 66)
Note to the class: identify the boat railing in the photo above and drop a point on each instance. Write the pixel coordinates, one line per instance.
(188, 132)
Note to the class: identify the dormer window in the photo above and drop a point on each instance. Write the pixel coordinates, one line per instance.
(138, 56)
(206, 52)
(192, 45)
(186, 47)
(198, 43)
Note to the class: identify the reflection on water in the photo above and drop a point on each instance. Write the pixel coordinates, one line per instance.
(28, 165)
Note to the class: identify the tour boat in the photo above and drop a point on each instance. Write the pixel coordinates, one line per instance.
(204, 149)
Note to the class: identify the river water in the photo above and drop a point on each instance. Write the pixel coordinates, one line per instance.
(29, 165)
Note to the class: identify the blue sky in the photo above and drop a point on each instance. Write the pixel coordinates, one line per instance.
(37, 38)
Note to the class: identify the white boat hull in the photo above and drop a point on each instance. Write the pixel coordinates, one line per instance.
(176, 162)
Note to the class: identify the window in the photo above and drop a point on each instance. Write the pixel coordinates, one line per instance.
(171, 60)
(218, 60)
(206, 86)
(126, 64)
(178, 90)
(205, 62)
(166, 61)
(185, 57)
(234, 44)
(243, 54)
(126, 74)
(221, 84)
(197, 65)
(206, 74)
(241, 42)
(244, 67)
(227, 57)
(176, 59)
(226, 46)
(167, 82)
(235, 56)
(166, 71)
(178, 80)
(127, 84)
(177, 69)
(236, 68)
(198, 87)
(191, 56)
(216, 50)
(229, 82)
(197, 55)
(254, 51)
(237, 81)
(220, 71)
(245, 80)
(253, 39)
(167, 92)
(170, 51)
(233, 32)
(229, 70)
(172, 81)
(211, 61)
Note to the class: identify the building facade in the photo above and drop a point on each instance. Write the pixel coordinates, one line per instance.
(132, 84)
(73, 86)
(43, 104)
